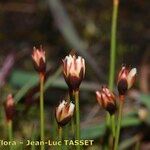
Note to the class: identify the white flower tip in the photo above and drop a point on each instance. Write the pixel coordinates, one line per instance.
(131, 77)
(133, 72)
(61, 105)
(98, 93)
(71, 108)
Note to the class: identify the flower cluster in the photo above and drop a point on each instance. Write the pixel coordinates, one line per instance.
(107, 99)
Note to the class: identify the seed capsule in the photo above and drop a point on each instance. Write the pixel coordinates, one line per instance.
(38, 56)
(126, 78)
(9, 107)
(106, 99)
(64, 112)
(73, 71)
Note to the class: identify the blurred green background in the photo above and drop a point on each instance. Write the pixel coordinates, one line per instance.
(84, 27)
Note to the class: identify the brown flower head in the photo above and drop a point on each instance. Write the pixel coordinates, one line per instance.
(126, 78)
(64, 112)
(106, 99)
(38, 56)
(73, 71)
(9, 107)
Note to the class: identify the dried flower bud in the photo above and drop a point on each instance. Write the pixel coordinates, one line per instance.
(73, 71)
(126, 79)
(107, 99)
(9, 107)
(38, 56)
(64, 112)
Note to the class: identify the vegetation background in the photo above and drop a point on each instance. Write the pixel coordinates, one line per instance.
(84, 27)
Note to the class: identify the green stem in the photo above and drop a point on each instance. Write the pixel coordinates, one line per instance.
(42, 109)
(10, 133)
(113, 56)
(108, 120)
(118, 124)
(113, 44)
(112, 117)
(71, 96)
(60, 137)
(105, 145)
(137, 145)
(77, 118)
(33, 137)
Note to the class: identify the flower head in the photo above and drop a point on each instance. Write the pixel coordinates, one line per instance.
(9, 107)
(126, 79)
(73, 71)
(64, 112)
(106, 99)
(38, 56)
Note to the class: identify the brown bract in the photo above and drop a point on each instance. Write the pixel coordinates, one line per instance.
(106, 99)
(126, 79)
(38, 56)
(73, 71)
(64, 113)
(9, 107)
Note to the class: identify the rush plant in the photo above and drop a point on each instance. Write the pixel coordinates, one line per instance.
(63, 114)
(126, 79)
(38, 57)
(9, 107)
(74, 72)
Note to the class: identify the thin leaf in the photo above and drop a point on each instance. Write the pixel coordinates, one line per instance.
(93, 131)
(145, 99)
(33, 82)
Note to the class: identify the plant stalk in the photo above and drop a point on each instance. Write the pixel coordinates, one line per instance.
(77, 118)
(42, 109)
(113, 125)
(113, 56)
(137, 145)
(60, 137)
(10, 137)
(33, 138)
(71, 96)
(113, 44)
(117, 135)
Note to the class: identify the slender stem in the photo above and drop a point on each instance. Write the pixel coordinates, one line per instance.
(77, 118)
(72, 126)
(10, 133)
(42, 109)
(60, 136)
(113, 44)
(105, 145)
(65, 135)
(33, 137)
(60, 133)
(112, 117)
(113, 56)
(137, 145)
(71, 96)
(107, 119)
(117, 135)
